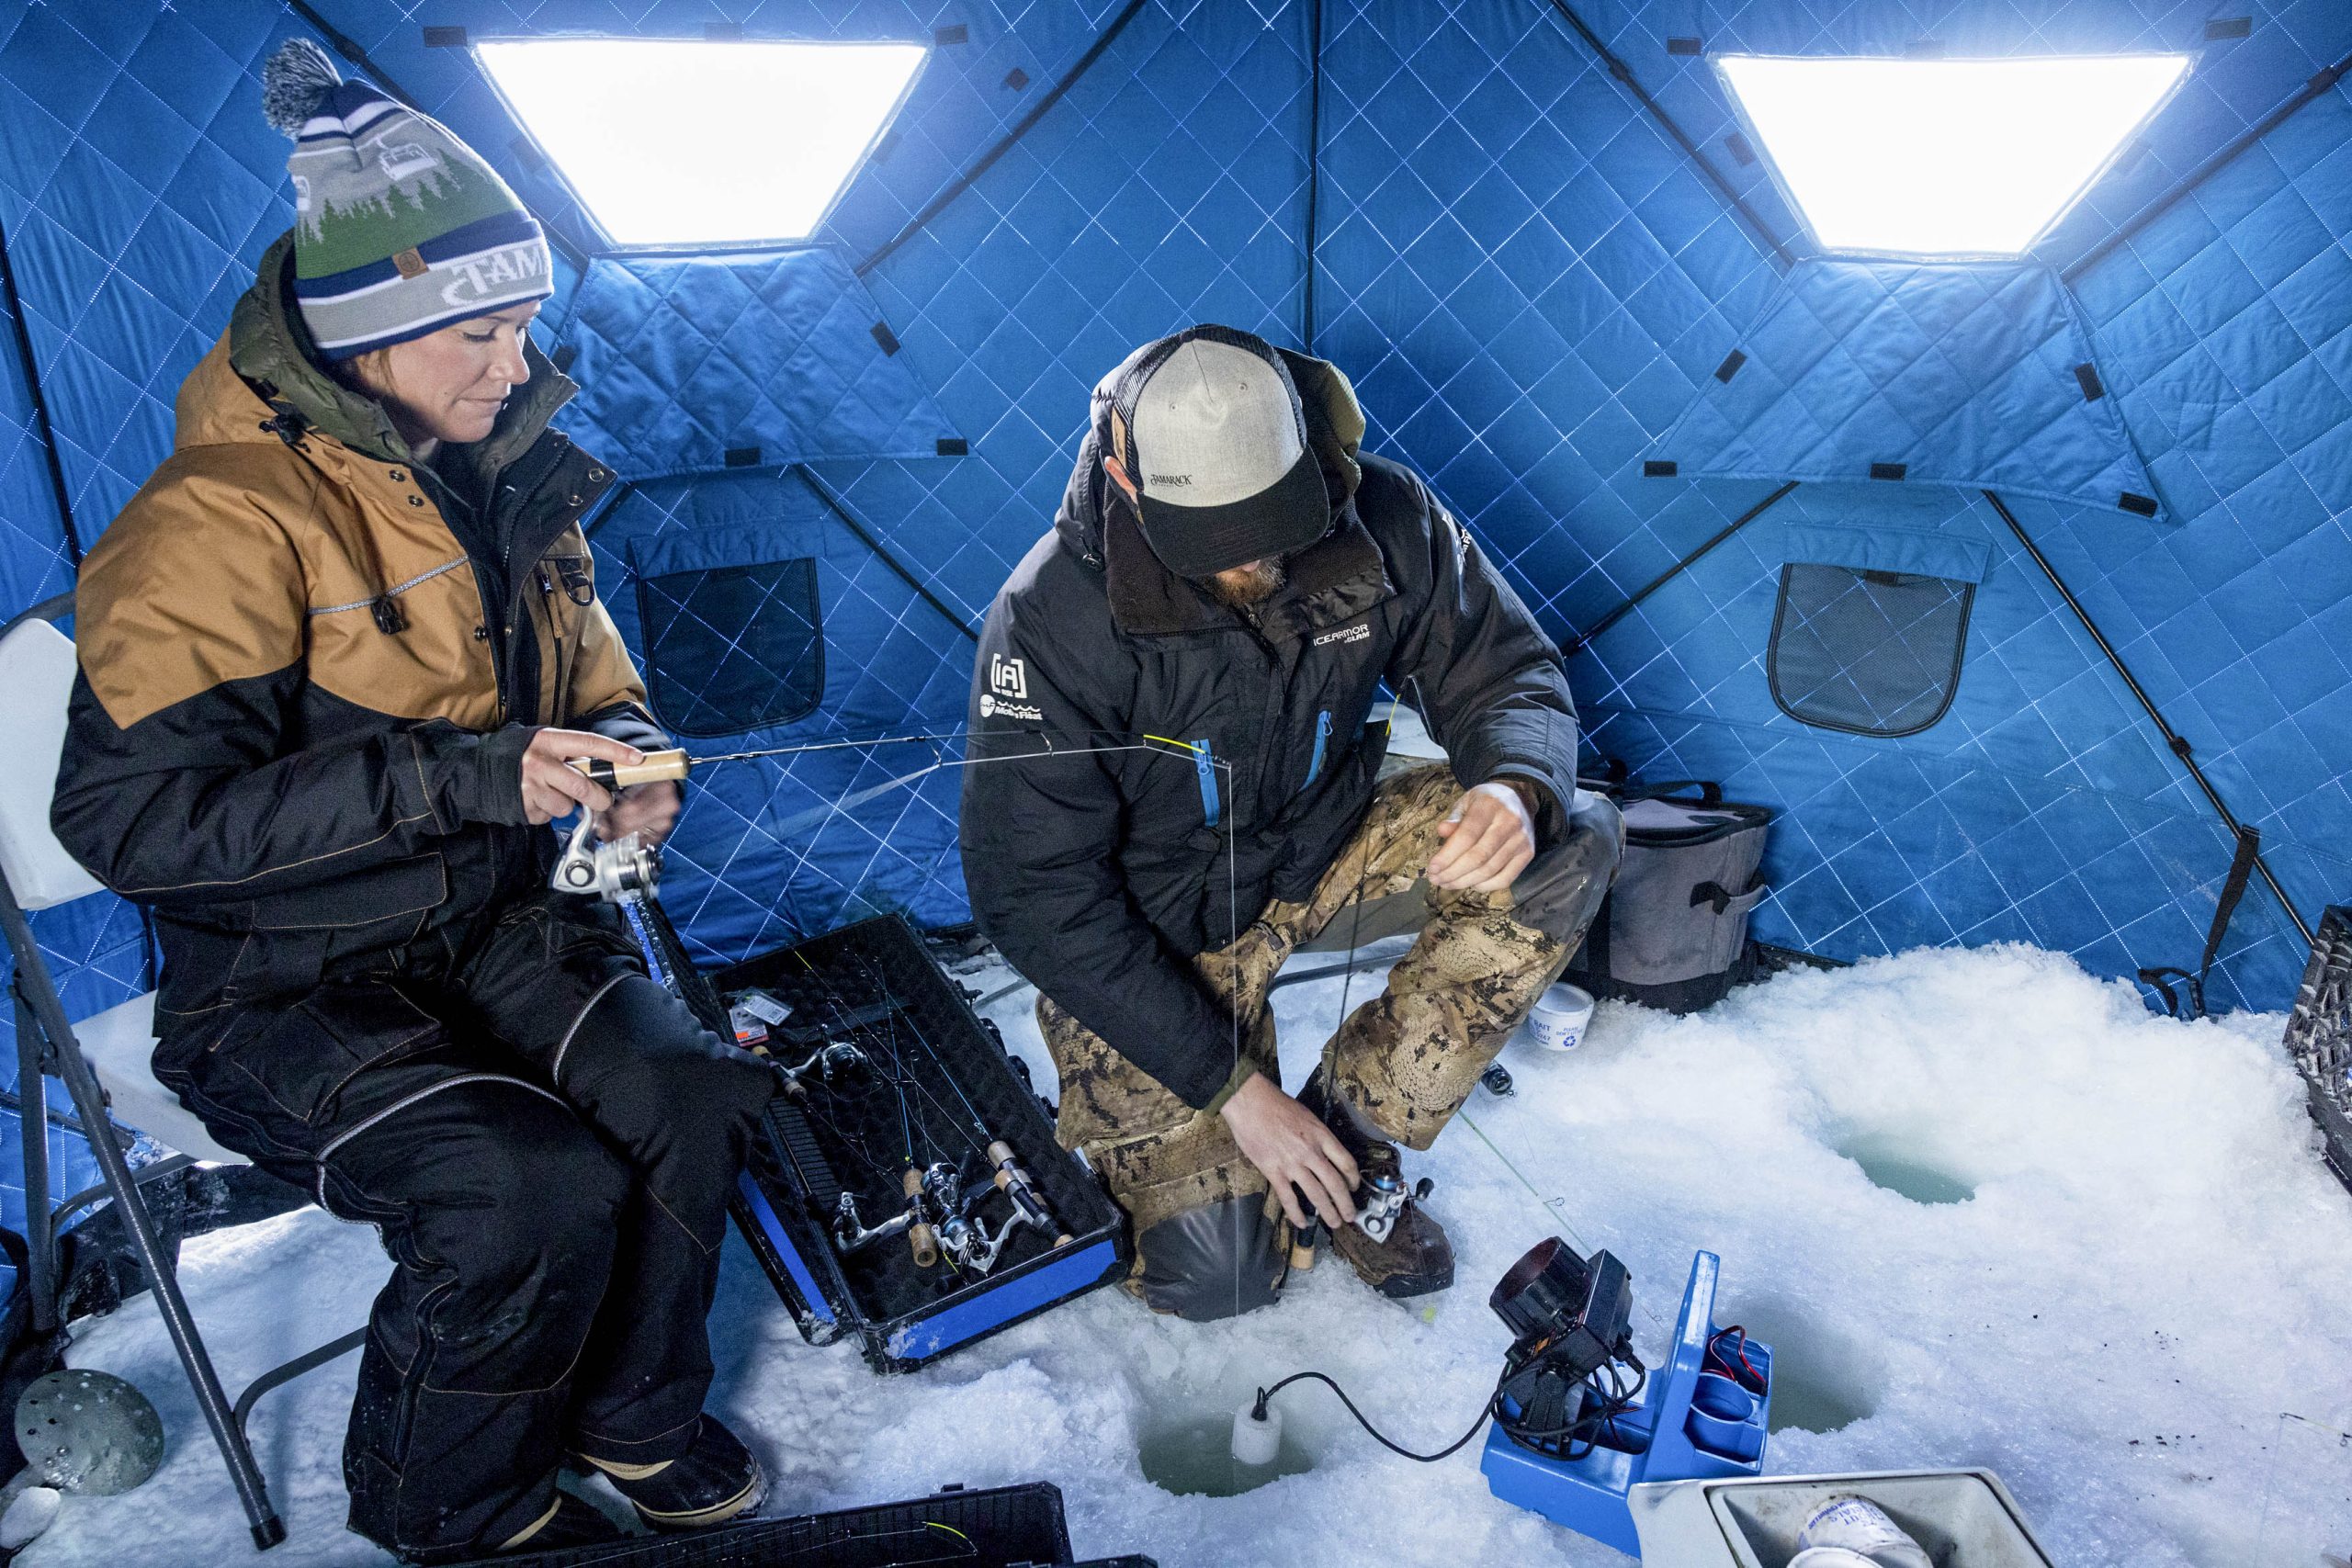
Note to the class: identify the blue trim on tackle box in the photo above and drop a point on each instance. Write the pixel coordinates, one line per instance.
(927, 1337)
(812, 1298)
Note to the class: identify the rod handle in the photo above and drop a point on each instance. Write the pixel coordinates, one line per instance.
(921, 1237)
(1000, 1155)
(657, 766)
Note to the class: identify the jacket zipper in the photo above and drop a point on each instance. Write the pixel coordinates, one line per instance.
(1205, 765)
(1322, 739)
(559, 714)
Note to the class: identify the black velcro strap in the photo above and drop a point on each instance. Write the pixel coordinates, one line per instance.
(958, 33)
(2132, 501)
(563, 356)
(743, 457)
(2086, 377)
(953, 446)
(1016, 78)
(1730, 367)
(1742, 150)
(1658, 468)
(2223, 28)
(445, 37)
(887, 338)
(2242, 859)
(1889, 470)
(1685, 46)
(722, 32)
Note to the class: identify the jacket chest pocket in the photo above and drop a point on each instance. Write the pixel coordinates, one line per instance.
(565, 584)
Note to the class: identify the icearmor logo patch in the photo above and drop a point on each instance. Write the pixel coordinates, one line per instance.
(1356, 633)
(1008, 677)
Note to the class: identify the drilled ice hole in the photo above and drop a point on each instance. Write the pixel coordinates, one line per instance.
(1187, 1449)
(1825, 1378)
(1897, 1165)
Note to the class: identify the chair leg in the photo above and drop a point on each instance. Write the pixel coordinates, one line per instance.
(32, 1102)
(89, 1099)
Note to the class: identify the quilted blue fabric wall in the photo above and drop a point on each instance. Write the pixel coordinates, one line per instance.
(1531, 283)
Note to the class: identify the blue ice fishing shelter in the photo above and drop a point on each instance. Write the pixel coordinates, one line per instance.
(2016, 575)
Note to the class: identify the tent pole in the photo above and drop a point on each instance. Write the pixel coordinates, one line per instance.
(41, 428)
(2311, 89)
(2175, 741)
(1583, 640)
(1625, 78)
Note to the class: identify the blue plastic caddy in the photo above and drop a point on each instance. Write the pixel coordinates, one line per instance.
(1694, 1424)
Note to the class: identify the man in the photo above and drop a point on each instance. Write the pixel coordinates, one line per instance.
(1175, 785)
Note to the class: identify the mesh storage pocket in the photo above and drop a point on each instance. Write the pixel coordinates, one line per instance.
(1865, 650)
(732, 648)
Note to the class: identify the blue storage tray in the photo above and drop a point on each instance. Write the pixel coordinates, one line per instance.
(1659, 1437)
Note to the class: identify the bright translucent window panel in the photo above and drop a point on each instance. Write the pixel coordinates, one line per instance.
(1943, 157)
(677, 142)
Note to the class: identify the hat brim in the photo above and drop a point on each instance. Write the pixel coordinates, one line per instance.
(1201, 541)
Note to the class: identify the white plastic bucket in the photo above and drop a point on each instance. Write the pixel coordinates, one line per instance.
(1556, 1022)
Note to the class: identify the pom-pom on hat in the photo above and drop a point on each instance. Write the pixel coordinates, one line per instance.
(399, 229)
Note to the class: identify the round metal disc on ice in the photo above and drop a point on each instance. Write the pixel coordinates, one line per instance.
(89, 1431)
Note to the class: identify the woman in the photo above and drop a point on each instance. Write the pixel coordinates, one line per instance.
(334, 658)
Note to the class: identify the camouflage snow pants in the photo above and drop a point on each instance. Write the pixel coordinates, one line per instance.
(1209, 1234)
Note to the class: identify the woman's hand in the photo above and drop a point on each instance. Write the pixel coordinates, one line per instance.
(553, 788)
(648, 810)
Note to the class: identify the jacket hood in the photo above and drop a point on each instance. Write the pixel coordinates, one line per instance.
(269, 387)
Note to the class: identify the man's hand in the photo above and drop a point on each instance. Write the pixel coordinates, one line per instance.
(1488, 840)
(551, 788)
(647, 810)
(1293, 1149)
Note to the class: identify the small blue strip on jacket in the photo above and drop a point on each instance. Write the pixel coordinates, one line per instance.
(774, 1230)
(993, 1309)
(1911, 550)
(1205, 765)
(1322, 739)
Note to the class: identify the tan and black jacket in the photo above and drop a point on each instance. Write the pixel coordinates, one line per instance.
(297, 729)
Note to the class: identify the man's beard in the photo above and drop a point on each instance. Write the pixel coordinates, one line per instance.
(1245, 586)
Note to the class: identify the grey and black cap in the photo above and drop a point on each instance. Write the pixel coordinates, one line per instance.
(1208, 430)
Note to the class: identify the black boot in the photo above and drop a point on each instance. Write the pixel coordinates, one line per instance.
(713, 1482)
(1410, 1255)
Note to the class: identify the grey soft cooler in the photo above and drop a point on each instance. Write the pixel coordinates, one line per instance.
(1673, 931)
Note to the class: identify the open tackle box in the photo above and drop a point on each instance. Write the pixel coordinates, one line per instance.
(931, 1087)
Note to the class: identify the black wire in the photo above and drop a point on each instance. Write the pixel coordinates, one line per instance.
(1485, 1411)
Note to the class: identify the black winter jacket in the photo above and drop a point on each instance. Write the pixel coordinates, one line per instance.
(1240, 757)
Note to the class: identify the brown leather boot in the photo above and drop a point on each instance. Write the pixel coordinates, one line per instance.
(1395, 1245)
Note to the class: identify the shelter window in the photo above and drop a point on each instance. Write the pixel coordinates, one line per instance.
(1942, 157)
(732, 648)
(1868, 651)
(677, 144)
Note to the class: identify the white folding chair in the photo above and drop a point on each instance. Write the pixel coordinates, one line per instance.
(103, 1061)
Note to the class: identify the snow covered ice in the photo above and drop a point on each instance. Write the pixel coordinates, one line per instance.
(2138, 1319)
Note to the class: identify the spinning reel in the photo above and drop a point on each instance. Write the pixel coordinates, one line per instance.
(941, 1217)
(627, 867)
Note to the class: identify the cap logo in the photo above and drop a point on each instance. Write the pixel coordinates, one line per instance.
(409, 264)
(1172, 478)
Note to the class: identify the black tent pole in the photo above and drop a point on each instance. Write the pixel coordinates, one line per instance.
(2175, 741)
(1584, 640)
(41, 428)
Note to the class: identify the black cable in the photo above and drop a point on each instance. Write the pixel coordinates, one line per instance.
(1314, 164)
(1485, 1411)
(840, 509)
